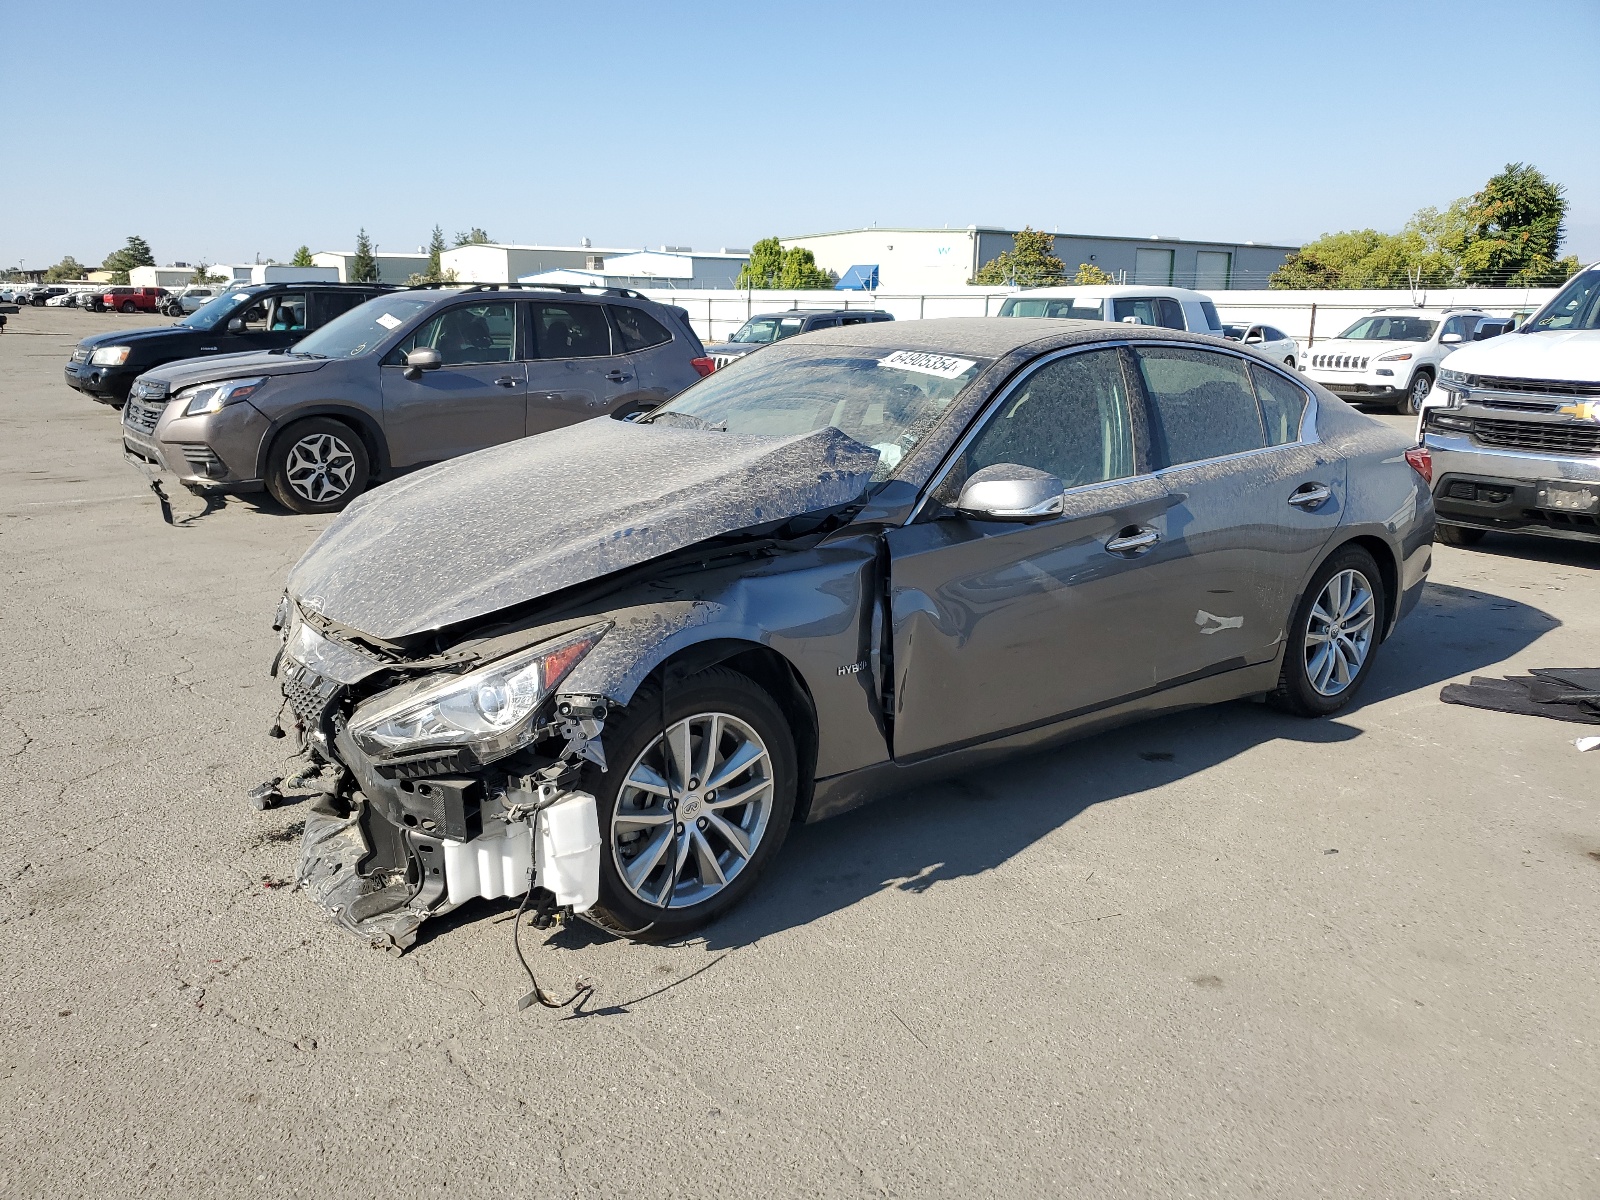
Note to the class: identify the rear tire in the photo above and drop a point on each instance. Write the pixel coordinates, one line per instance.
(1411, 403)
(1333, 637)
(317, 466)
(1457, 535)
(660, 900)
(128, 306)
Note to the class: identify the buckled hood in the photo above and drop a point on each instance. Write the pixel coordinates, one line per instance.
(479, 534)
(188, 372)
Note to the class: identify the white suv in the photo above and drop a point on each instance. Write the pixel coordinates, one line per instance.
(1171, 307)
(1391, 355)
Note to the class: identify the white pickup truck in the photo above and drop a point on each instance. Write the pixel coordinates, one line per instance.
(1512, 426)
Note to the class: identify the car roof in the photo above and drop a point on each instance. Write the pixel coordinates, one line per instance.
(1426, 312)
(821, 312)
(989, 337)
(1113, 289)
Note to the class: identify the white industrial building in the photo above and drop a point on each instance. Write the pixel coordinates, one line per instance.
(943, 260)
(668, 267)
(492, 262)
(180, 275)
(392, 268)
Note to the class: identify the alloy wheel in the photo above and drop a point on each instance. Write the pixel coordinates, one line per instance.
(320, 467)
(1420, 387)
(692, 810)
(1339, 633)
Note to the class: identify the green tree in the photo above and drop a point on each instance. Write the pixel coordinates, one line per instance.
(1516, 225)
(472, 237)
(435, 250)
(135, 254)
(771, 266)
(1089, 273)
(302, 257)
(67, 268)
(1031, 262)
(764, 266)
(363, 267)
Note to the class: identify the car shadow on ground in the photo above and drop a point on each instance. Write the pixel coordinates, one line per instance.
(970, 824)
(1565, 552)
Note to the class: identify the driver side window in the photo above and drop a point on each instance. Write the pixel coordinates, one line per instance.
(284, 313)
(467, 334)
(1071, 418)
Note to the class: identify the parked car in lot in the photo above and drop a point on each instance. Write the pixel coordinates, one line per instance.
(1166, 307)
(1513, 426)
(192, 298)
(239, 320)
(767, 328)
(409, 378)
(66, 299)
(40, 294)
(1265, 339)
(627, 656)
(1392, 355)
(134, 299)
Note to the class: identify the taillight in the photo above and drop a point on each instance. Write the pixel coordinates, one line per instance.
(1421, 462)
(704, 365)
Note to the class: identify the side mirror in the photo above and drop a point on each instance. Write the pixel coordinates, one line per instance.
(420, 360)
(1450, 339)
(236, 325)
(1131, 321)
(1008, 492)
(1255, 339)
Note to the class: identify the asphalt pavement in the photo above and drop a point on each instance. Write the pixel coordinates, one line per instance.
(1222, 954)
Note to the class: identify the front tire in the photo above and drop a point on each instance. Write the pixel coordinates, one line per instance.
(1411, 404)
(317, 466)
(1334, 636)
(689, 820)
(1457, 535)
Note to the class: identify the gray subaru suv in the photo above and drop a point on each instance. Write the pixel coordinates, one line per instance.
(406, 379)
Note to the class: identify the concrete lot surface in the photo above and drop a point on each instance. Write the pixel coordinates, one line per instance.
(1224, 954)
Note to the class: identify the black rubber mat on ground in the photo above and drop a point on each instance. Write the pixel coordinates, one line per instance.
(1561, 693)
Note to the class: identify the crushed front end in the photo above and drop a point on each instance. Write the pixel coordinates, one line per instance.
(440, 777)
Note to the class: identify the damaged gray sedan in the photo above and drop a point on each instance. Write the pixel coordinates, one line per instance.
(605, 668)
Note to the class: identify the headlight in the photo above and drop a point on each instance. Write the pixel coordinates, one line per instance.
(210, 397)
(110, 356)
(1396, 357)
(489, 710)
(1454, 378)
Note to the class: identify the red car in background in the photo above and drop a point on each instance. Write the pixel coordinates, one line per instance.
(134, 299)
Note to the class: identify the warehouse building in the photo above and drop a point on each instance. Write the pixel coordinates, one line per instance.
(669, 267)
(942, 260)
(392, 268)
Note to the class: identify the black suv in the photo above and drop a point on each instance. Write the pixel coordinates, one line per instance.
(263, 317)
(767, 328)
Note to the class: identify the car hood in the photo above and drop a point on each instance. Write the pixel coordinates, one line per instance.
(479, 534)
(1567, 355)
(735, 348)
(1369, 350)
(132, 337)
(187, 372)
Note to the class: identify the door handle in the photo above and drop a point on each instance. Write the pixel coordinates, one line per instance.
(1311, 495)
(506, 381)
(619, 377)
(1134, 539)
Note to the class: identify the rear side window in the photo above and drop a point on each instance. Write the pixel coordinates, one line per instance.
(1070, 418)
(1210, 311)
(1201, 405)
(1282, 405)
(638, 329)
(1171, 313)
(570, 331)
(1141, 312)
(325, 306)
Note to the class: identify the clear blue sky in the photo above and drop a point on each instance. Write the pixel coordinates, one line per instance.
(222, 131)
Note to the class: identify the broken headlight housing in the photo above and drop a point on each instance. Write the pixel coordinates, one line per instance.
(488, 711)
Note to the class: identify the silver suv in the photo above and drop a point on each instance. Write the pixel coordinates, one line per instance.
(407, 379)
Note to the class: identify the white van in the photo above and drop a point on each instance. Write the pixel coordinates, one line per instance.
(1169, 307)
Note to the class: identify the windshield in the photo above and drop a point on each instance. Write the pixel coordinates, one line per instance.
(363, 327)
(886, 399)
(211, 314)
(1576, 306)
(1078, 308)
(1379, 328)
(768, 329)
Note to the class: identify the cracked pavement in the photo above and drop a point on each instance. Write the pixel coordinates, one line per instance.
(1222, 953)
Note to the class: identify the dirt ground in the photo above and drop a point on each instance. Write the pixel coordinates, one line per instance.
(1227, 953)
